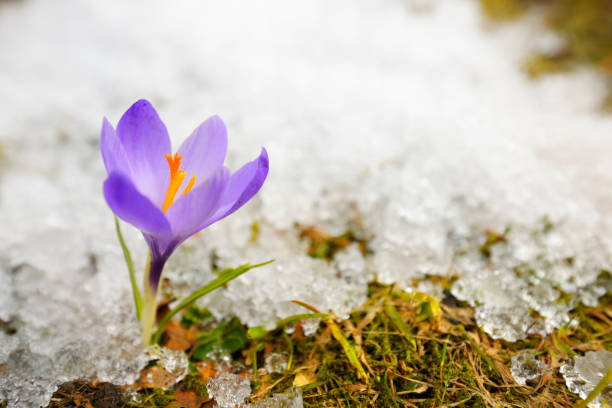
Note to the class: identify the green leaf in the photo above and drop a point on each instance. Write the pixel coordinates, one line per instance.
(130, 266)
(225, 277)
(257, 332)
(193, 315)
(429, 310)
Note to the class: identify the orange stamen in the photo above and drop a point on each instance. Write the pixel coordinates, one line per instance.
(189, 185)
(176, 180)
(174, 163)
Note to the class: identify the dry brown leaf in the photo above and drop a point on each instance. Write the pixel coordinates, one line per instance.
(304, 378)
(155, 377)
(208, 369)
(356, 387)
(187, 399)
(177, 337)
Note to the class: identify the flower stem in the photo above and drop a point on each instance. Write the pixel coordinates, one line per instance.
(130, 265)
(149, 310)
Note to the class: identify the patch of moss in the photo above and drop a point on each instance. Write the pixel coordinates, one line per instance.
(154, 398)
(584, 25)
(427, 363)
(493, 238)
(194, 382)
(229, 337)
(193, 315)
(408, 360)
(325, 246)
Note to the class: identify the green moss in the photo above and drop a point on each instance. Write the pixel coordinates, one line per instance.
(325, 246)
(493, 238)
(193, 315)
(154, 398)
(194, 382)
(229, 337)
(417, 364)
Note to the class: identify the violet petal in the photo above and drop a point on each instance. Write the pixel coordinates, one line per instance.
(204, 150)
(146, 141)
(113, 153)
(194, 208)
(133, 207)
(243, 185)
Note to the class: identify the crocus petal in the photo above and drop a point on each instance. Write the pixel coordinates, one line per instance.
(113, 153)
(204, 151)
(194, 208)
(243, 185)
(146, 141)
(133, 207)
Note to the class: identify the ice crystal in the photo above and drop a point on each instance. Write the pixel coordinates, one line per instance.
(584, 372)
(290, 399)
(174, 362)
(525, 367)
(228, 390)
(275, 363)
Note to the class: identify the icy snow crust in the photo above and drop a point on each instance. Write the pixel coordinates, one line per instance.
(408, 122)
(583, 374)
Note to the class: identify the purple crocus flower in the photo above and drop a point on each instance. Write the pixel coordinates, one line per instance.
(171, 197)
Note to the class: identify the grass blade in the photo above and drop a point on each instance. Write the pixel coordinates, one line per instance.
(601, 385)
(349, 350)
(397, 321)
(130, 265)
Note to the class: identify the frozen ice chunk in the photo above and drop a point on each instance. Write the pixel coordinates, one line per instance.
(525, 367)
(276, 363)
(71, 362)
(228, 390)
(583, 373)
(263, 296)
(27, 379)
(510, 282)
(290, 399)
(310, 326)
(175, 362)
(351, 265)
(504, 323)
